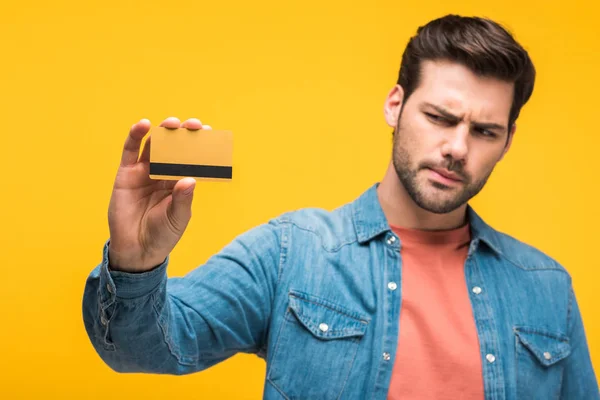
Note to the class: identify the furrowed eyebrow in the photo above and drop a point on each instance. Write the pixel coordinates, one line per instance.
(454, 118)
(444, 113)
(489, 126)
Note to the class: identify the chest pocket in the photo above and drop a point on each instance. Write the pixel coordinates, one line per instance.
(538, 366)
(316, 347)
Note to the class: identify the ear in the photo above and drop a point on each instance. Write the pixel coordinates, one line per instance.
(393, 104)
(511, 135)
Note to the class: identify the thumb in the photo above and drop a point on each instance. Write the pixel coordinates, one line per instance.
(180, 208)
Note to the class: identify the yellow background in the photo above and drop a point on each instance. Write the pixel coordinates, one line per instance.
(301, 84)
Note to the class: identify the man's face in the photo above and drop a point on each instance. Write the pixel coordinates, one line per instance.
(450, 134)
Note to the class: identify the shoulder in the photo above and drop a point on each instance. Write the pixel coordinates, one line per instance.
(526, 256)
(334, 228)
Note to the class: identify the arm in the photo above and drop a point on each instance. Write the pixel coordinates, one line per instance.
(579, 381)
(145, 322)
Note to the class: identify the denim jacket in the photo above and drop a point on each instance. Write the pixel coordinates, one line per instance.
(308, 292)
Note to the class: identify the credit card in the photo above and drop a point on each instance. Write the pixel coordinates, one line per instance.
(202, 154)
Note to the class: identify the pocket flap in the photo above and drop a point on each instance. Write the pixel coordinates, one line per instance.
(547, 347)
(324, 319)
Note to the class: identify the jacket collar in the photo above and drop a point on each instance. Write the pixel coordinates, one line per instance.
(370, 221)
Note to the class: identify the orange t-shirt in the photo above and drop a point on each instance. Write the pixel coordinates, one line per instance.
(438, 353)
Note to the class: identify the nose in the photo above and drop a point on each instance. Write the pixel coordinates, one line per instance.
(455, 144)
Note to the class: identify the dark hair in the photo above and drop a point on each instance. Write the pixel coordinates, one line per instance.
(480, 44)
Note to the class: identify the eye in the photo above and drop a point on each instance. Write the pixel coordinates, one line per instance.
(437, 119)
(485, 132)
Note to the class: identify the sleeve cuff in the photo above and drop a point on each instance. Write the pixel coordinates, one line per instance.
(128, 285)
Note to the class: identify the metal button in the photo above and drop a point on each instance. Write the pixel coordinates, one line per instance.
(109, 288)
(547, 355)
(476, 290)
(392, 240)
(490, 358)
(324, 327)
(392, 286)
(386, 356)
(103, 320)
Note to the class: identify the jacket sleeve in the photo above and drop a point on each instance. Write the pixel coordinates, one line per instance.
(579, 380)
(146, 322)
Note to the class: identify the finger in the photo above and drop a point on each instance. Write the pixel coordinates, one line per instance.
(171, 122)
(206, 127)
(145, 156)
(131, 148)
(184, 187)
(192, 123)
(179, 211)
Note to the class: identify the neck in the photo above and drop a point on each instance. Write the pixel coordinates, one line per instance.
(401, 211)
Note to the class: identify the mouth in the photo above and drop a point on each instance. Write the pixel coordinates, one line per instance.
(444, 176)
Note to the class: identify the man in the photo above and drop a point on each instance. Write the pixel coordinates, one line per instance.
(403, 293)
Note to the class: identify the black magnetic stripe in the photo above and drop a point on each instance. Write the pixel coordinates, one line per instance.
(199, 171)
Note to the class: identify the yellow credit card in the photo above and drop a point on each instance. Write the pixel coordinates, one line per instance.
(180, 153)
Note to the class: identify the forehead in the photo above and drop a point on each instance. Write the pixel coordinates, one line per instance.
(455, 87)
